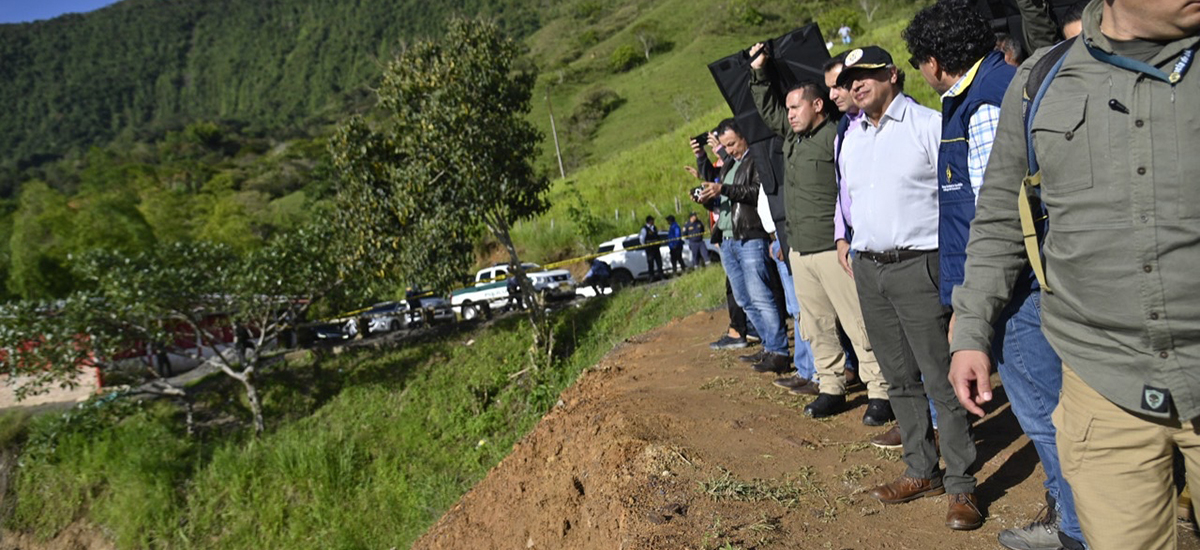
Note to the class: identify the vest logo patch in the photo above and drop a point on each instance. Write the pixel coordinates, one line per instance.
(951, 187)
(949, 176)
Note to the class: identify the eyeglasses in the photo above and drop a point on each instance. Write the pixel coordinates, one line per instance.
(916, 63)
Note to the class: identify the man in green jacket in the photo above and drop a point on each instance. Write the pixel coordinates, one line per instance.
(826, 293)
(1116, 136)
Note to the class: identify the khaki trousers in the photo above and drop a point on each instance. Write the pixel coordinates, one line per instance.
(826, 295)
(1119, 465)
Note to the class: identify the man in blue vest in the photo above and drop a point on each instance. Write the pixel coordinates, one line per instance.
(952, 47)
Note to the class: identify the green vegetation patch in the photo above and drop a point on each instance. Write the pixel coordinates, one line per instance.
(407, 432)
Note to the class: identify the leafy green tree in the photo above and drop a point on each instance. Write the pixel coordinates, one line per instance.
(237, 308)
(450, 159)
(40, 244)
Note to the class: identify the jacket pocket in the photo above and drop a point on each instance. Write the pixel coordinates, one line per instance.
(1060, 139)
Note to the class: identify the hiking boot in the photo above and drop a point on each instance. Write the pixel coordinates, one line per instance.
(889, 440)
(774, 362)
(729, 342)
(753, 357)
(1041, 534)
(879, 412)
(825, 405)
(789, 382)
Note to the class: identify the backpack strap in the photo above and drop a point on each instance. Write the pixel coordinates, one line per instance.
(1030, 199)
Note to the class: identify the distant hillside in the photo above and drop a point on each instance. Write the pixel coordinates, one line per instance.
(142, 66)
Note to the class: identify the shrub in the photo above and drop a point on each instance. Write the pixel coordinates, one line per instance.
(742, 11)
(832, 19)
(626, 57)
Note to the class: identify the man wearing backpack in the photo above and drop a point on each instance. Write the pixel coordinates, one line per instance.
(952, 47)
(1115, 129)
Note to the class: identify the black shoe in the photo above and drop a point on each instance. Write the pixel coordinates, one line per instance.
(825, 405)
(753, 357)
(774, 362)
(729, 342)
(879, 412)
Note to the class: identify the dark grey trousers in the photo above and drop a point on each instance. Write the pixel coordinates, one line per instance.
(906, 324)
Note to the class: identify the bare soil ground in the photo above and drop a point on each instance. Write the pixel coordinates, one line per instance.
(85, 385)
(667, 444)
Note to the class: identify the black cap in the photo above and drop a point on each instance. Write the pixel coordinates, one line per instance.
(863, 59)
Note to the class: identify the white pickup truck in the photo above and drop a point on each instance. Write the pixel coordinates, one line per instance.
(630, 265)
(491, 288)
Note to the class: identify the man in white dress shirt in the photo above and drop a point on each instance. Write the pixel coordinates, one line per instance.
(891, 169)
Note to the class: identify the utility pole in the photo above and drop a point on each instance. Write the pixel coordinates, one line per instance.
(553, 130)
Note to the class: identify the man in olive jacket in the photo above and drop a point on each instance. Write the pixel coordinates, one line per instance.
(825, 292)
(1116, 136)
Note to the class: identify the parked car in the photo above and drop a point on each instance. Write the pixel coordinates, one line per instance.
(491, 288)
(630, 265)
(393, 316)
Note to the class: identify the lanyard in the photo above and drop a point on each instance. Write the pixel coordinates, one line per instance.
(1181, 66)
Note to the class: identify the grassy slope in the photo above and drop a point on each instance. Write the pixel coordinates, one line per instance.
(404, 435)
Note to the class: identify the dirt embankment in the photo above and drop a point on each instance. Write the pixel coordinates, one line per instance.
(668, 445)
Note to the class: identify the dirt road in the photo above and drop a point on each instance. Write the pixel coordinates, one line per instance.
(669, 445)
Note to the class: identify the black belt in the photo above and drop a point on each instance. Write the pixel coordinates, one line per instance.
(892, 256)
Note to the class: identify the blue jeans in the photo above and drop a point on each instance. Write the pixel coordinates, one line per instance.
(1032, 375)
(803, 358)
(745, 264)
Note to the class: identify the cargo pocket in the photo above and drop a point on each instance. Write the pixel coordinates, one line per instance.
(1073, 428)
(1060, 138)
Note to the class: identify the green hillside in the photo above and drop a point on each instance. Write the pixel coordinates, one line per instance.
(143, 66)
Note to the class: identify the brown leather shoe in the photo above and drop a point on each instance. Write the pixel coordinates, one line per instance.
(889, 439)
(789, 382)
(964, 514)
(808, 389)
(905, 488)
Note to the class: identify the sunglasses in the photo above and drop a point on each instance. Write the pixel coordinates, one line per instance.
(916, 63)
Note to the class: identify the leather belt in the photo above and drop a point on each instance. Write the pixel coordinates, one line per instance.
(892, 256)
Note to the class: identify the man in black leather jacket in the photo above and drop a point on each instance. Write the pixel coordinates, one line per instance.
(745, 248)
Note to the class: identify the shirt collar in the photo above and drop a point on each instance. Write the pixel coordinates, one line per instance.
(816, 129)
(964, 82)
(895, 111)
(1092, 15)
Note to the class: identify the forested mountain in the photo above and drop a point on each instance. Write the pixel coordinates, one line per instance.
(140, 67)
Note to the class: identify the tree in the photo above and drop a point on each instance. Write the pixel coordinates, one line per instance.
(40, 244)
(450, 159)
(236, 310)
(647, 34)
(869, 7)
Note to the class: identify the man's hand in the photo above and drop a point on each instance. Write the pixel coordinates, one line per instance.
(776, 250)
(970, 372)
(714, 143)
(843, 251)
(758, 61)
(692, 170)
(711, 191)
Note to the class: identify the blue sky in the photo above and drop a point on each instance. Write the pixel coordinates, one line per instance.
(19, 11)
